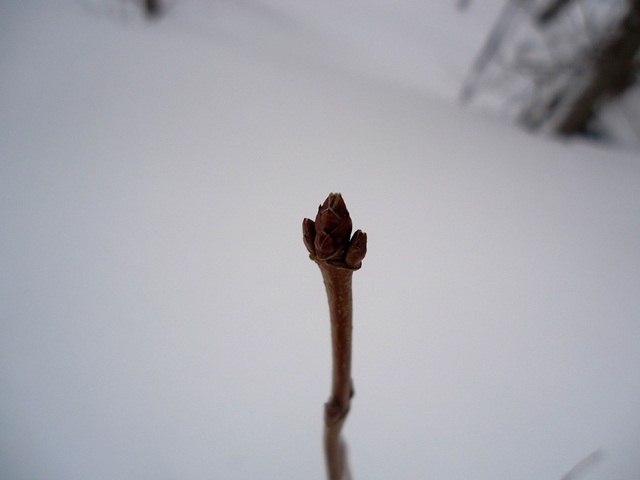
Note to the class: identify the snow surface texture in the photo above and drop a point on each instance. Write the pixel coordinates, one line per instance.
(159, 317)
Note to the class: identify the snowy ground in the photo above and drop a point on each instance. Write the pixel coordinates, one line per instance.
(159, 318)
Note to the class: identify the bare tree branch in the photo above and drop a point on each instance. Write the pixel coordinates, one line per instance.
(552, 10)
(328, 243)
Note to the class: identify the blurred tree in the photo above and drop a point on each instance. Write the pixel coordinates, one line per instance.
(556, 64)
(614, 67)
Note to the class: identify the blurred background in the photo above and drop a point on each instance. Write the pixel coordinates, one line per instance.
(159, 317)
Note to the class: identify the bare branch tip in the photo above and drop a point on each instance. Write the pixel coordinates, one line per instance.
(329, 237)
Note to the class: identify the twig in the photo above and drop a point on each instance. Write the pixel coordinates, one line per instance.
(329, 245)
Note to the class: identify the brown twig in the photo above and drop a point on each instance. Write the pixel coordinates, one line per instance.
(338, 256)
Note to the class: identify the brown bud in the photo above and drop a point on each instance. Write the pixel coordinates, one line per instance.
(333, 227)
(357, 249)
(309, 234)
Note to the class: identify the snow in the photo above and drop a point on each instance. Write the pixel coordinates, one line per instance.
(159, 317)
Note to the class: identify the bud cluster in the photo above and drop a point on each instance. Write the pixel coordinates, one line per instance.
(329, 237)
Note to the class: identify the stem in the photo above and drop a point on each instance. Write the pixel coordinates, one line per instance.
(328, 243)
(337, 282)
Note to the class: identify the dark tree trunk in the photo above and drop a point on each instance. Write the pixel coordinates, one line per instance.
(613, 72)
